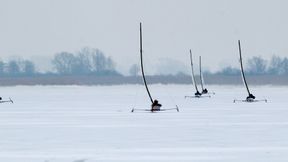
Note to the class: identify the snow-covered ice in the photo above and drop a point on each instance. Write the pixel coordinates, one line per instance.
(94, 124)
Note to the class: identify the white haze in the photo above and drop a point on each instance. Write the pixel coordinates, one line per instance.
(210, 28)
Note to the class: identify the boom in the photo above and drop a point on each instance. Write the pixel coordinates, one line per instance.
(142, 68)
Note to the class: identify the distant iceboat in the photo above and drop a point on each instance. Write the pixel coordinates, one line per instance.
(250, 97)
(155, 105)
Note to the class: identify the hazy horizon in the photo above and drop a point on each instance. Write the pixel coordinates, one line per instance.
(39, 28)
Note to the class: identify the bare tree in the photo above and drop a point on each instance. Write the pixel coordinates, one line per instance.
(86, 61)
(102, 64)
(2, 67)
(99, 61)
(285, 65)
(257, 65)
(110, 65)
(276, 65)
(28, 67)
(13, 68)
(83, 61)
(134, 70)
(64, 63)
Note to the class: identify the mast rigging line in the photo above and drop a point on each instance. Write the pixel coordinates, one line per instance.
(242, 69)
(142, 67)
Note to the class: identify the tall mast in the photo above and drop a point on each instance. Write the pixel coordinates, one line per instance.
(201, 77)
(193, 77)
(242, 71)
(142, 69)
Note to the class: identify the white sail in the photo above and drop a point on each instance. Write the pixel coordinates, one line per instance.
(242, 69)
(142, 67)
(192, 71)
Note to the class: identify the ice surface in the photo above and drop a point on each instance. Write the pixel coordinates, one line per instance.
(94, 124)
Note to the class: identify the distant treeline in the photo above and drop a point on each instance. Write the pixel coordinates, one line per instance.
(155, 79)
(88, 61)
(91, 61)
(17, 67)
(259, 66)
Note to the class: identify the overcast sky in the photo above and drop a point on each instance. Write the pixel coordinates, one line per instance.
(211, 28)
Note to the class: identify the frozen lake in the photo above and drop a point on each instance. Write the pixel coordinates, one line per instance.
(94, 124)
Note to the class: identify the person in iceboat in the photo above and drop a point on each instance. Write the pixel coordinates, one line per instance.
(0, 98)
(204, 91)
(197, 94)
(155, 106)
(250, 97)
